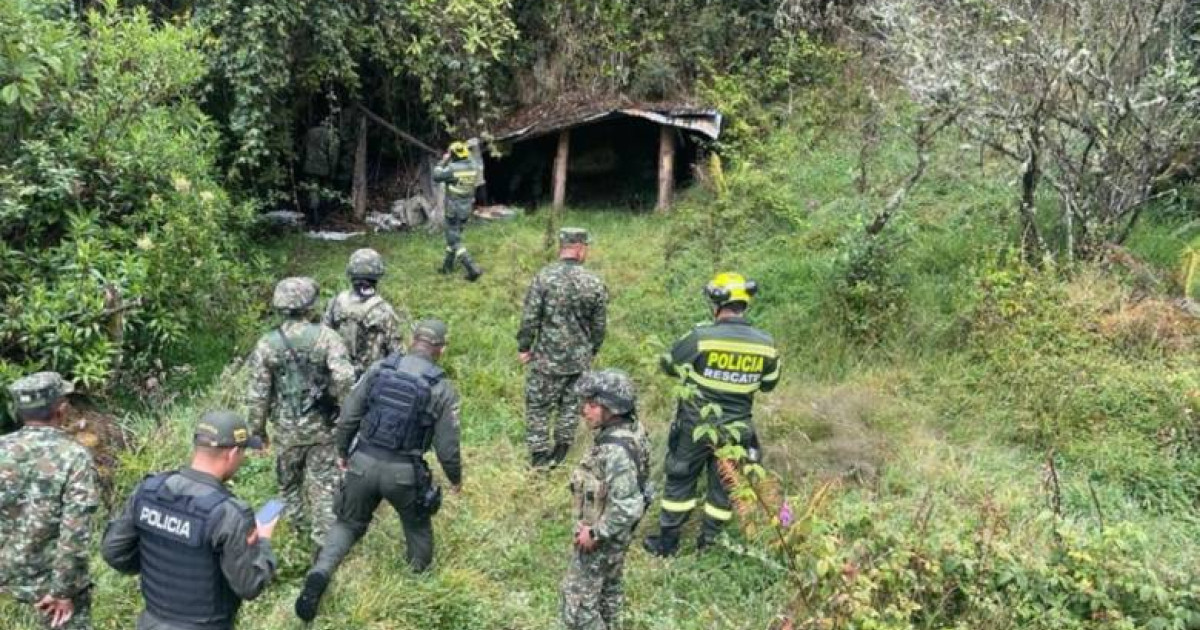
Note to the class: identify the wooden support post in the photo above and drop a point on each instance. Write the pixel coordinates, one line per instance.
(666, 167)
(560, 170)
(358, 191)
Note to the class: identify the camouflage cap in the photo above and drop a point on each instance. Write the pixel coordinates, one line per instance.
(432, 331)
(39, 390)
(611, 388)
(225, 429)
(365, 263)
(573, 235)
(295, 294)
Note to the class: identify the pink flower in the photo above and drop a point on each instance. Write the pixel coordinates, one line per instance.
(785, 514)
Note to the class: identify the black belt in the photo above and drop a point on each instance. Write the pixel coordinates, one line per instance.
(387, 454)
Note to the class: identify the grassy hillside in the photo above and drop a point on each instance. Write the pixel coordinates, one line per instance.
(965, 442)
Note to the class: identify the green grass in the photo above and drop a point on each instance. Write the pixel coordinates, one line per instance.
(942, 411)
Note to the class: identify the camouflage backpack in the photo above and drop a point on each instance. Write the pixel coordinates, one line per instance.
(349, 321)
(297, 376)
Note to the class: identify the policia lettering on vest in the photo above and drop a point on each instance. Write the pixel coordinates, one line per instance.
(196, 547)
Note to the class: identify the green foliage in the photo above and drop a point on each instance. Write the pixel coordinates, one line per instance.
(116, 237)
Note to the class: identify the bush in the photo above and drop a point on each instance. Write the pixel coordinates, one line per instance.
(116, 236)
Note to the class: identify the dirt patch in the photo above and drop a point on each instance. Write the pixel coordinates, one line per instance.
(1154, 323)
(839, 431)
(103, 436)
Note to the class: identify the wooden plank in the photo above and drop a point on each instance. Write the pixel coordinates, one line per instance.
(396, 130)
(666, 167)
(560, 170)
(358, 190)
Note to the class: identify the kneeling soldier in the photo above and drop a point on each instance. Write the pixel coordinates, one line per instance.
(610, 490)
(401, 407)
(196, 546)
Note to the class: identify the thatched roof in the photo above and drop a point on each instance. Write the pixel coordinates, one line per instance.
(572, 111)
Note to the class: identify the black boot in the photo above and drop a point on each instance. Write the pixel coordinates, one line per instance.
(447, 262)
(473, 270)
(540, 460)
(310, 597)
(705, 540)
(559, 454)
(664, 544)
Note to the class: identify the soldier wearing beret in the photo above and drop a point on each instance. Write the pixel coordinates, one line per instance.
(48, 492)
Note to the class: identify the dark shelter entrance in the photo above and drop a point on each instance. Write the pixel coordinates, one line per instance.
(598, 155)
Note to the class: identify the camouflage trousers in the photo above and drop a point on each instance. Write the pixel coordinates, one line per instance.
(546, 394)
(592, 591)
(81, 619)
(308, 480)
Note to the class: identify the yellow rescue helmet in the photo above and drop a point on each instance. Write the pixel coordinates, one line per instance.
(729, 287)
(459, 149)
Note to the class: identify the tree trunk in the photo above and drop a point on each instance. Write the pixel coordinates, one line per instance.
(560, 170)
(1032, 247)
(358, 193)
(666, 167)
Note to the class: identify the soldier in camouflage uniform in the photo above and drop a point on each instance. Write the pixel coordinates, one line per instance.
(562, 328)
(461, 174)
(48, 492)
(610, 491)
(369, 325)
(298, 374)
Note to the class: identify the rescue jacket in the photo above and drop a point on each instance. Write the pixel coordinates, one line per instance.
(181, 577)
(728, 361)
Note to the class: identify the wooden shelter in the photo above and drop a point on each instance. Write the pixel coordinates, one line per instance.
(605, 141)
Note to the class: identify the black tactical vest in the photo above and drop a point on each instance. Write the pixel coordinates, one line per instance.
(181, 573)
(397, 406)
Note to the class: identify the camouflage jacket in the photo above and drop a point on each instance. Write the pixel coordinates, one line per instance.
(605, 487)
(564, 318)
(461, 178)
(298, 395)
(371, 328)
(728, 361)
(48, 492)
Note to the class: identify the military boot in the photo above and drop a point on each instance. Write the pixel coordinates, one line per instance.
(559, 454)
(664, 544)
(447, 262)
(540, 460)
(310, 597)
(473, 270)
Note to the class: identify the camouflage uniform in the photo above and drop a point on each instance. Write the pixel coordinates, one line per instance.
(48, 492)
(461, 176)
(563, 324)
(299, 396)
(610, 492)
(371, 328)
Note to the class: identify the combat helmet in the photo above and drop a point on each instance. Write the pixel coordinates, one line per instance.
(365, 263)
(611, 388)
(295, 295)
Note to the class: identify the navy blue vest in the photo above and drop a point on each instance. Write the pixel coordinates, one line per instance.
(397, 407)
(181, 573)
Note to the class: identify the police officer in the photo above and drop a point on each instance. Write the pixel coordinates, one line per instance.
(48, 492)
(298, 374)
(610, 492)
(727, 362)
(462, 175)
(563, 323)
(195, 545)
(369, 325)
(401, 407)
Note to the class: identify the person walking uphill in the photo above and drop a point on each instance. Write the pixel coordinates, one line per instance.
(462, 175)
(298, 373)
(563, 324)
(401, 407)
(610, 492)
(369, 325)
(196, 547)
(48, 493)
(727, 362)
